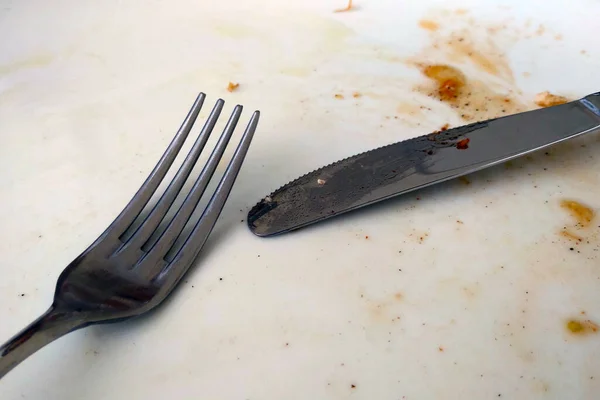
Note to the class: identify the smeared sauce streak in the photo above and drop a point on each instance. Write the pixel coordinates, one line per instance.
(583, 214)
(582, 327)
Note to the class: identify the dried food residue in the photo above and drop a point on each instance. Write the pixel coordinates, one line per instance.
(338, 96)
(232, 86)
(547, 99)
(321, 182)
(347, 8)
(356, 95)
(463, 144)
(582, 213)
(582, 327)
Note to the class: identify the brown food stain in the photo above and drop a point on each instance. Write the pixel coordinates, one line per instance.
(464, 180)
(463, 144)
(356, 95)
(232, 86)
(583, 214)
(429, 25)
(338, 96)
(398, 296)
(547, 99)
(581, 327)
(472, 73)
(472, 100)
(441, 349)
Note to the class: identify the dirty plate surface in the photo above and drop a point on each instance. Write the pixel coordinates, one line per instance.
(484, 287)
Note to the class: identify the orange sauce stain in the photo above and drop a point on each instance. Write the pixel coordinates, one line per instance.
(582, 327)
(450, 80)
(580, 212)
(398, 296)
(429, 25)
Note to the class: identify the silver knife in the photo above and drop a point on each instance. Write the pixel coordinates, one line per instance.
(413, 164)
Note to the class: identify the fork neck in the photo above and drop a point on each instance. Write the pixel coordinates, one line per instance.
(53, 324)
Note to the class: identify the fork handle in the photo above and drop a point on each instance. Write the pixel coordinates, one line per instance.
(44, 330)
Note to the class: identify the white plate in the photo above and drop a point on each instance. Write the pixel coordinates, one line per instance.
(460, 291)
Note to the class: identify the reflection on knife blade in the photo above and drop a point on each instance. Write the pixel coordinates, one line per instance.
(405, 166)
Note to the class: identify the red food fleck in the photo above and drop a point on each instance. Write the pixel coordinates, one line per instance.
(463, 144)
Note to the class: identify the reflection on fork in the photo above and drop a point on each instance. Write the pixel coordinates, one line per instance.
(131, 269)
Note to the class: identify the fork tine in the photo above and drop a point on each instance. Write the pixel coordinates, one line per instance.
(145, 230)
(145, 192)
(169, 236)
(193, 244)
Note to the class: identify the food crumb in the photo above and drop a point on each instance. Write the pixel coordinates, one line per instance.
(367, 237)
(232, 86)
(547, 99)
(356, 95)
(321, 182)
(353, 386)
(441, 349)
(463, 144)
(22, 295)
(338, 96)
(347, 8)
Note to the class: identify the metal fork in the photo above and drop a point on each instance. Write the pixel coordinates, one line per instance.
(130, 269)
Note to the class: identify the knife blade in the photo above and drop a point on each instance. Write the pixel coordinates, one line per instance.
(398, 168)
